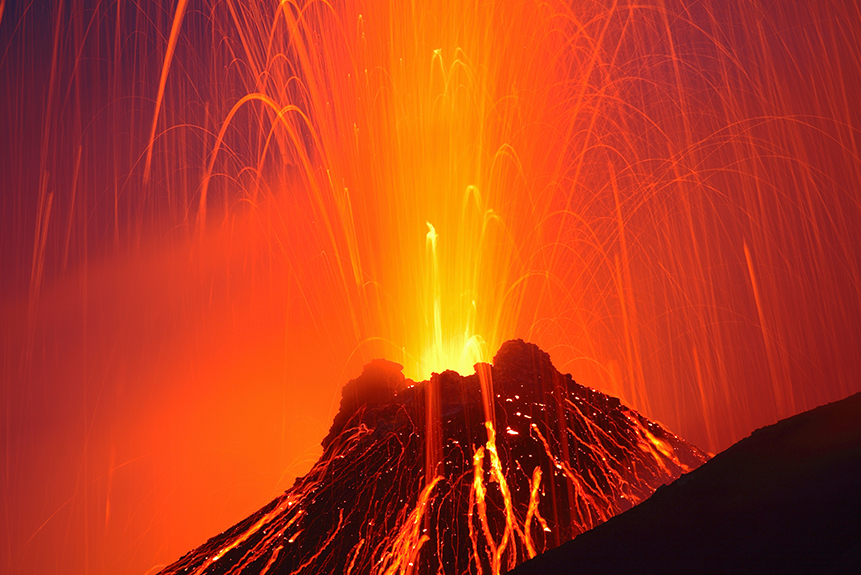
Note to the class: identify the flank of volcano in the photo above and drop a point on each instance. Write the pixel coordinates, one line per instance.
(456, 474)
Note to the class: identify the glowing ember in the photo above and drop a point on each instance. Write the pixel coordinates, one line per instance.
(497, 500)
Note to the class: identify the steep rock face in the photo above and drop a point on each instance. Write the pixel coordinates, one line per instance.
(404, 486)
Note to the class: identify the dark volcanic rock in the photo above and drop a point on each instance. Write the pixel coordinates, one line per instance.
(564, 459)
(377, 387)
(785, 500)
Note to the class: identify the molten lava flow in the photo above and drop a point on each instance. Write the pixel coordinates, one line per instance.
(496, 549)
(403, 556)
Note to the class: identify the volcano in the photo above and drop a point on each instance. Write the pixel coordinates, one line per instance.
(456, 474)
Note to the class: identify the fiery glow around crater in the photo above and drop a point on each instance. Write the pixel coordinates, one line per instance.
(383, 126)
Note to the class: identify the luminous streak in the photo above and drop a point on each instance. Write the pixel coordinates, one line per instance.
(299, 148)
(220, 138)
(763, 327)
(437, 304)
(664, 448)
(324, 545)
(499, 477)
(266, 542)
(478, 497)
(479, 490)
(648, 444)
(620, 483)
(355, 553)
(433, 449)
(168, 58)
(532, 511)
(271, 560)
(589, 500)
(406, 547)
(471, 514)
(239, 540)
(478, 493)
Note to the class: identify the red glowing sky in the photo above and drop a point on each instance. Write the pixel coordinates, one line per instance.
(664, 196)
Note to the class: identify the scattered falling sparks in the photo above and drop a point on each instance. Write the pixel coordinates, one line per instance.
(214, 212)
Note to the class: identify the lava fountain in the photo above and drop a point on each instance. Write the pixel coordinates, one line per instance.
(215, 212)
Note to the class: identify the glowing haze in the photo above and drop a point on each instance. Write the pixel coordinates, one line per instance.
(215, 212)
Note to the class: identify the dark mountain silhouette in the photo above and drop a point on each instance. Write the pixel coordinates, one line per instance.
(785, 500)
(413, 480)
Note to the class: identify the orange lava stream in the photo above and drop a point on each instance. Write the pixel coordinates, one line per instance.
(238, 541)
(402, 558)
(496, 549)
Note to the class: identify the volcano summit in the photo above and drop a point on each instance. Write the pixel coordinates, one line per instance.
(456, 475)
